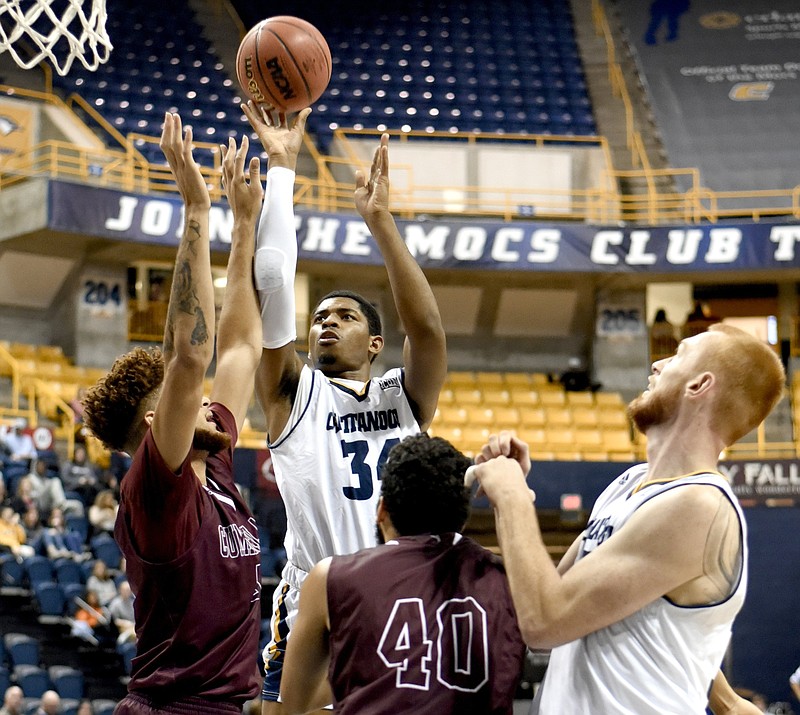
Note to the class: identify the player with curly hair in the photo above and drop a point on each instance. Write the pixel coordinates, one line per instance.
(190, 542)
(422, 624)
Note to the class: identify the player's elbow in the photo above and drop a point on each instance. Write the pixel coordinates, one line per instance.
(294, 701)
(540, 635)
(191, 362)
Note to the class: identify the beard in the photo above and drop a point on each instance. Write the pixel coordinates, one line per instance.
(211, 441)
(653, 408)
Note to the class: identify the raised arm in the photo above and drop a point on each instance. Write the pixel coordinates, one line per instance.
(275, 265)
(239, 332)
(189, 333)
(424, 350)
(665, 546)
(304, 683)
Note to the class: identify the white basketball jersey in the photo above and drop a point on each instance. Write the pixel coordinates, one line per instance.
(328, 461)
(660, 660)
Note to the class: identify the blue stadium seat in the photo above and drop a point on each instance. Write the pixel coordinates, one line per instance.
(22, 649)
(106, 549)
(67, 681)
(49, 600)
(12, 573)
(33, 680)
(38, 569)
(68, 571)
(71, 592)
(5, 679)
(79, 524)
(127, 651)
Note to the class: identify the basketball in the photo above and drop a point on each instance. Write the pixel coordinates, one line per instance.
(284, 61)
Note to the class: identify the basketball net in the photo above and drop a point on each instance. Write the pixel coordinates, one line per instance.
(85, 36)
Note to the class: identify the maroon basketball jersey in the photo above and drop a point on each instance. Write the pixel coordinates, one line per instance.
(422, 625)
(193, 561)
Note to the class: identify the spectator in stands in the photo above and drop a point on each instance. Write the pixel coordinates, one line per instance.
(90, 622)
(77, 409)
(3, 491)
(85, 708)
(121, 612)
(699, 320)
(103, 513)
(60, 543)
(101, 582)
(18, 443)
(48, 491)
(12, 535)
(663, 340)
(652, 586)
(24, 496)
(576, 377)
(80, 476)
(12, 701)
(50, 704)
(665, 12)
(34, 529)
(794, 683)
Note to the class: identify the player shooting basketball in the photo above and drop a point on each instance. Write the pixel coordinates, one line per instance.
(189, 539)
(331, 427)
(640, 609)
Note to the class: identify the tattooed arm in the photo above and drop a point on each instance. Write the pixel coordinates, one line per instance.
(189, 333)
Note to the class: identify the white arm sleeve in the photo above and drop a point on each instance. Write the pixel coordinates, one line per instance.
(276, 259)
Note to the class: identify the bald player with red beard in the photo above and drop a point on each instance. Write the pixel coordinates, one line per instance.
(190, 541)
(639, 611)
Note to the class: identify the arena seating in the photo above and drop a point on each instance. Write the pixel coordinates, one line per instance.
(522, 72)
(509, 67)
(557, 424)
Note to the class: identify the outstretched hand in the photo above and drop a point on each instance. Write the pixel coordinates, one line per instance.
(245, 193)
(176, 143)
(372, 196)
(281, 142)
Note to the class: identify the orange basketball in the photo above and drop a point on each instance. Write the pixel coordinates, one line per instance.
(284, 61)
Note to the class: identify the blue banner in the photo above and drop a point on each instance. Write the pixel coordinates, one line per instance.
(484, 245)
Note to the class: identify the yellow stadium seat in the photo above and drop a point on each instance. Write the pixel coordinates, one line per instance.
(552, 398)
(566, 455)
(494, 396)
(473, 438)
(22, 351)
(489, 379)
(558, 416)
(467, 396)
(451, 434)
(50, 353)
(446, 396)
(610, 419)
(532, 417)
(507, 417)
(584, 418)
(594, 456)
(589, 440)
(541, 455)
(460, 379)
(50, 370)
(534, 437)
(559, 437)
(517, 380)
(480, 416)
(580, 399)
(453, 416)
(617, 440)
(521, 398)
(540, 378)
(608, 399)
